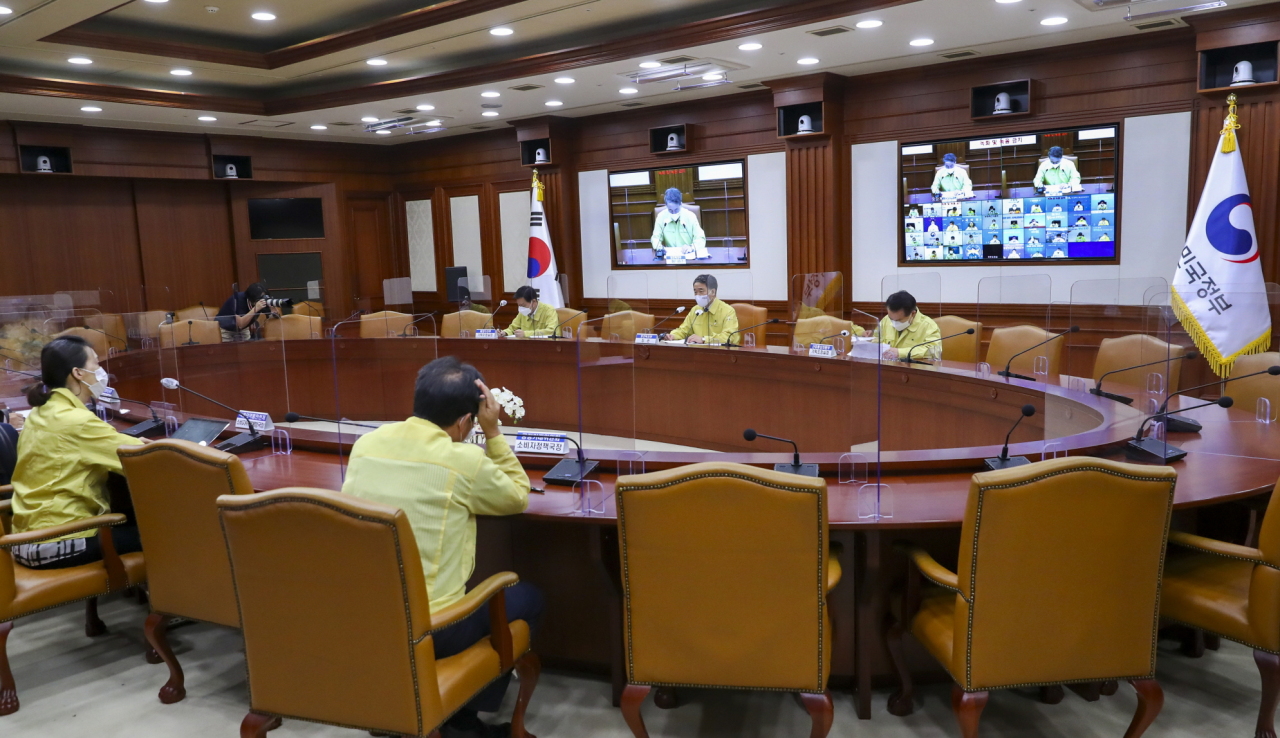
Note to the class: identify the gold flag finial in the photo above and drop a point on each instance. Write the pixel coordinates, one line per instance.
(1230, 126)
(537, 185)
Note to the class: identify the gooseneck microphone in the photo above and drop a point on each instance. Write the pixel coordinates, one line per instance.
(1097, 388)
(556, 333)
(795, 467)
(337, 395)
(108, 335)
(910, 360)
(841, 334)
(568, 472)
(678, 311)
(191, 341)
(1006, 373)
(405, 333)
(1163, 450)
(728, 340)
(494, 314)
(1179, 424)
(142, 429)
(1003, 461)
(294, 417)
(236, 444)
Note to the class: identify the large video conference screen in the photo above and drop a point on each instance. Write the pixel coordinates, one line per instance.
(1047, 195)
(705, 224)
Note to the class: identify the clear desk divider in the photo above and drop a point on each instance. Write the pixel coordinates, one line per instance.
(1262, 411)
(631, 463)
(852, 468)
(397, 294)
(1040, 366)
(875, 501)
(473, 310)
(421, 326)
(818, 311)
(591, 497)
(281, 442)
(984, 370)
(1052, 450)
(1076, 384)
(1009, 338)
(1151, 405)
(1156, 384)
(167, 412)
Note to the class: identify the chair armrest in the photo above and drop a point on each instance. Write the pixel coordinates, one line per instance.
(931, 569)
(6, 515)
(834, 570)
(58, 531)
(1217, 548)
(6, 489)
(491, 591)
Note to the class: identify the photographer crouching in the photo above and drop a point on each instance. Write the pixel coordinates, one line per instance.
(241, 311)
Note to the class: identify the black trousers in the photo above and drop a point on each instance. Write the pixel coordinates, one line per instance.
(68, 553)
(524, 602)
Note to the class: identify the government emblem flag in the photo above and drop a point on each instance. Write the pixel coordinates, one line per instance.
(1218, 292)
(542, 261)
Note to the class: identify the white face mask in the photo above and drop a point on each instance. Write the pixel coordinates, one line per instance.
(525, 311)
(98, 389)
(702, 300)
(900, 325)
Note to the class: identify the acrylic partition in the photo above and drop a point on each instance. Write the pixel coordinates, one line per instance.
(818, 312)
(1008, 301)
(473, 310)
(1116, 332)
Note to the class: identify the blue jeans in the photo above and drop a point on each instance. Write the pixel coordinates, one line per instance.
(524, 602)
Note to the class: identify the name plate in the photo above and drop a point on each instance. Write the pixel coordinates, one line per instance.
(261, 421)
(650, 338)
(540, 443)
(822, 351)
(486, 333)
(676, 262)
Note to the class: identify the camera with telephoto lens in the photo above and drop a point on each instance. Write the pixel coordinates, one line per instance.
(278, 302)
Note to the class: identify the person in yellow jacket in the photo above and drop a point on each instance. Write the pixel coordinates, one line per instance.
(712, 321)
(536, 318)
(905, 328)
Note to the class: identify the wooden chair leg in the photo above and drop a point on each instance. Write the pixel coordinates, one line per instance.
(902, 701)
(256, 725)
(632, 699)
(1193, 644)
(1212, 641)
(529, 668)
(8, 689)
(1269, 668)
(1150, 700)
(173, 690)
(93, 625)
(820, 710)
(666, 698)
(968, 709)
(1089, 691)
(1109, 688)
(1052, 694)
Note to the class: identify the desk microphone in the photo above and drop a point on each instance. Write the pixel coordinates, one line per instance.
(669, 317)
(344, 321)
(144, 429)
(1006, 373)
(1097, 388)
(556, 333)
(795, 467)
(910, 360)
(294, 417)
(191, 341)
(405, 333)
(844, 334)
(568, 472)
(1164, 450)
(1003, 461)
(494, 314)
(1179, 424)
(728, 340)
(236, 444)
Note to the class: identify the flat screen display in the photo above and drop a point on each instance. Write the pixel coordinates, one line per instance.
(709, 227)
(285, 217)
(1043, 196)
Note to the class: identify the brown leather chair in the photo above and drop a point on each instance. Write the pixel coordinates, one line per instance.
(292, 328)
(196, 331)
(683, 580)
(1232, 591)
(749, 315)
(197, 312)
(1247, 392)
(623, 326)
(574, 317)
(453, 324)
(96, 339)
(1131, 350)
(111, 324)
(26, 591)
(962, 348)
(1006, 342)
(384, 324)
(309, 307)
(336, 624)
(174, 485)
(1058, 582)
(813, 330)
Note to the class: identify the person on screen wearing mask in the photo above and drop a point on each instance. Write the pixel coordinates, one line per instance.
(904, 327)
(65, 453)
(1057, 170)
(712, 321)
(536, 318)
(950, 178)
(677, 228)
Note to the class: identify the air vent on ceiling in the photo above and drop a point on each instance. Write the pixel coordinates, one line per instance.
(832, 31)
(266, 123)
(491, 105)
(527, 88)
(342, 124)
(429, 115)
(751, 86)
(632, 104)
(961, 54)
(1158, 25)
(480, 128)
(678, 60)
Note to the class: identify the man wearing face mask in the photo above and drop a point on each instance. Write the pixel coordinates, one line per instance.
(951, 178)
(1057, 170)
(676, 228)
(904, 327)
(535, 319)
(712, 321)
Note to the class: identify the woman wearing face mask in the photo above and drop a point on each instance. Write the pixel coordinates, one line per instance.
(64, 455)
(905, 328)
(536, 318)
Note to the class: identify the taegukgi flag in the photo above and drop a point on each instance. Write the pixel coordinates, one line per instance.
(1218, 292)
(542, 261)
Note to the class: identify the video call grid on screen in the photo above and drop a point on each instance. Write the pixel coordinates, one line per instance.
(1017, 221)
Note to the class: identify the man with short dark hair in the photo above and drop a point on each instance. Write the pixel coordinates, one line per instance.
(712, 321)
(1058, 171)
(906, 327)
(241, 311)
(950, 177)
(425, 467)
(536, 318)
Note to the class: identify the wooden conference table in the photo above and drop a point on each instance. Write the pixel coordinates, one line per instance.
(933, 425)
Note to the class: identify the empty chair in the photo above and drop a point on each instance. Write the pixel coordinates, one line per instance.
(453, 324)
(1131, 350)
(385, 324)
(1009, 341)
(111, 324)
(574, 317)
(751, 315)
(198, 312)
(313, 308)
(1247, 392)
(964, 348)
(144, 326)
(624, 325)
(190, 332)
(96, 339)
(292, 328)
(817, 328)
(337, 629)
(1058, 582)
(732, 604)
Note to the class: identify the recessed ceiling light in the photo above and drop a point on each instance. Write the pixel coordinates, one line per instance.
(713, 76)
(5, 11)
(554, 103)
(180, 72)
(807, 61)
(489, 113)
(383, 133)
(922, 42)
(750, 47)
(263, 16)
(490, 93)
(80, 60)
(628, 90)
(207, 118)
(157, 2)
(565, 80)
(501, 31)
(319, 128)
(1056, 20)
(426, 107)
(369, 119)
(376, 62)
(91, 109)
(869, 24)
(433, 123)
(650, 65)
(1007, 2)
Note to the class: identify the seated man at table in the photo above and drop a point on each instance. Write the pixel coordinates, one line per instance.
(905, 327)
(425, 467)
(712, 321)
(536, 318)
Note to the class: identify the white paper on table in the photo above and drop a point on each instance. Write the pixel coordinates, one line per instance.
(865, 349)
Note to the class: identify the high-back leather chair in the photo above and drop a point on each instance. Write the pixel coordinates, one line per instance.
(384, 324)
(197, 312)
(175, 486)
(111, 324)
(813, 330)
(963, 348)
(574, 317)
(749, 315)
(696, 612)
(313, 308)
(1246, 392)
(26, 591)
(1008, 341)
(195, 331)
(453, 324)
(1134, 349)
(96, 339)
(1057, 582)
(292, 328)
(337, 627)
(1232, 591)
(625, 325)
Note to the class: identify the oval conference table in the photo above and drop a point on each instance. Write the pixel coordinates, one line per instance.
(923, 429)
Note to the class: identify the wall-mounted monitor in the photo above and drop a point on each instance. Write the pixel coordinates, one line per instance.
(1047, 196)
(646, 233)
(285, 218)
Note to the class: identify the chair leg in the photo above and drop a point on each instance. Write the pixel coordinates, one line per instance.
(1193, 644)
(256, 725)
(528, 667)
(93, 625)
(666, 698)
(1109, 688)
(1269, 668)
(902, 701)
(8, 689)
(174, 690)
(820, 710)
(632, 699)
(1150, 700)
(1088, 691)
(968, 709)
(1052, 694)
